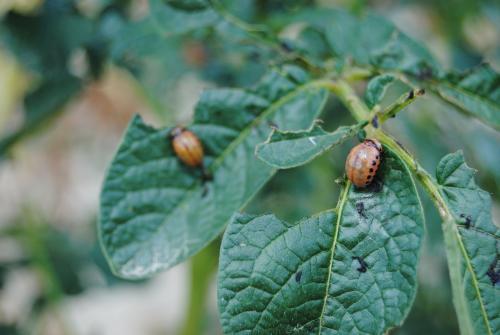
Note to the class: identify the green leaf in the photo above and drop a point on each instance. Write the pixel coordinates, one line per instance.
(288, 149)
(44, 42)
(188, 5)
(376, 88)
(473, 247)
(41, 106)
(306, 278)
(173, 21)
(368, 40)
(156, 212)
(476, 92)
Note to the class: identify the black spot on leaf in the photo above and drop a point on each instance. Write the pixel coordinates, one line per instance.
(493, 272)
(360, 208)
(468, 220)
(298, 276)
(362, 264)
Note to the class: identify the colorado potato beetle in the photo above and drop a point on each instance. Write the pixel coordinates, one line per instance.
(187, 146)
(363, 161)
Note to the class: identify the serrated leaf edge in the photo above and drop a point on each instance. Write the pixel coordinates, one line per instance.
(216, 163)
(452, 224)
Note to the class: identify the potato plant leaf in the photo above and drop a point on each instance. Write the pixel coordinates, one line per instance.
(476, 92)
(172, 20)
(156, 212)
(473, 247)
(288, 149)
(368, 40)
(188, 5)
(376, 88)
(346, 271)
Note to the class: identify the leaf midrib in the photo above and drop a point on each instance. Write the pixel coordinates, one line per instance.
(238, 140)
(474, 280)
(468, 263)
(487, 101)
(340, 209)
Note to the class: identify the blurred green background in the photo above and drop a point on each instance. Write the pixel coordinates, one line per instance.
(67, 93)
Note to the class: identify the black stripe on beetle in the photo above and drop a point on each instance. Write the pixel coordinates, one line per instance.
(359, 166)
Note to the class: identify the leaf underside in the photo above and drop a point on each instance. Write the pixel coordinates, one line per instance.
(287, 149)
(156, 212)
(376, 88)
(476, 92)
(306, 278)
(473, 246)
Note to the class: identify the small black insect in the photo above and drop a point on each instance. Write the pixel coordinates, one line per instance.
(411, 95)
(362, 264)
(298, 276)
(286, 46)
(493, 273)
(425, 72)
(360, 207)
(468, 220)
(375, 121)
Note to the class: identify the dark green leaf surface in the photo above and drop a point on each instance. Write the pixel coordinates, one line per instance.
(288, 149)
(305, 278)
(476, 92)
(189, 5)
(368, 40)
(374, 40)
(174, 21)
(376, 88)
(473, 246)
(156, 212)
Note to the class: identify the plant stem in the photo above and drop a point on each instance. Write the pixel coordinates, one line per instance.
(403, 101)
(348, 96)
(427, 181)
(203, 265)
(262, 35)
(361, 112)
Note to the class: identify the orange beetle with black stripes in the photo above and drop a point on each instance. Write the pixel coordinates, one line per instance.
(187, 147)
(363, 161)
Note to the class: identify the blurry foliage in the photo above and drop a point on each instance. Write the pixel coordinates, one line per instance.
(47, 38)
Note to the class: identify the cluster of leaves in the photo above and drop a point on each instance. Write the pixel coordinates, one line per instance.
(351, 269)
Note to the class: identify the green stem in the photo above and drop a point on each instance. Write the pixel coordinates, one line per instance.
(349, 98)
(262, 35)
(428, 183)
(361, 112)
(403, 101)
(33, 237)
(203, 266)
